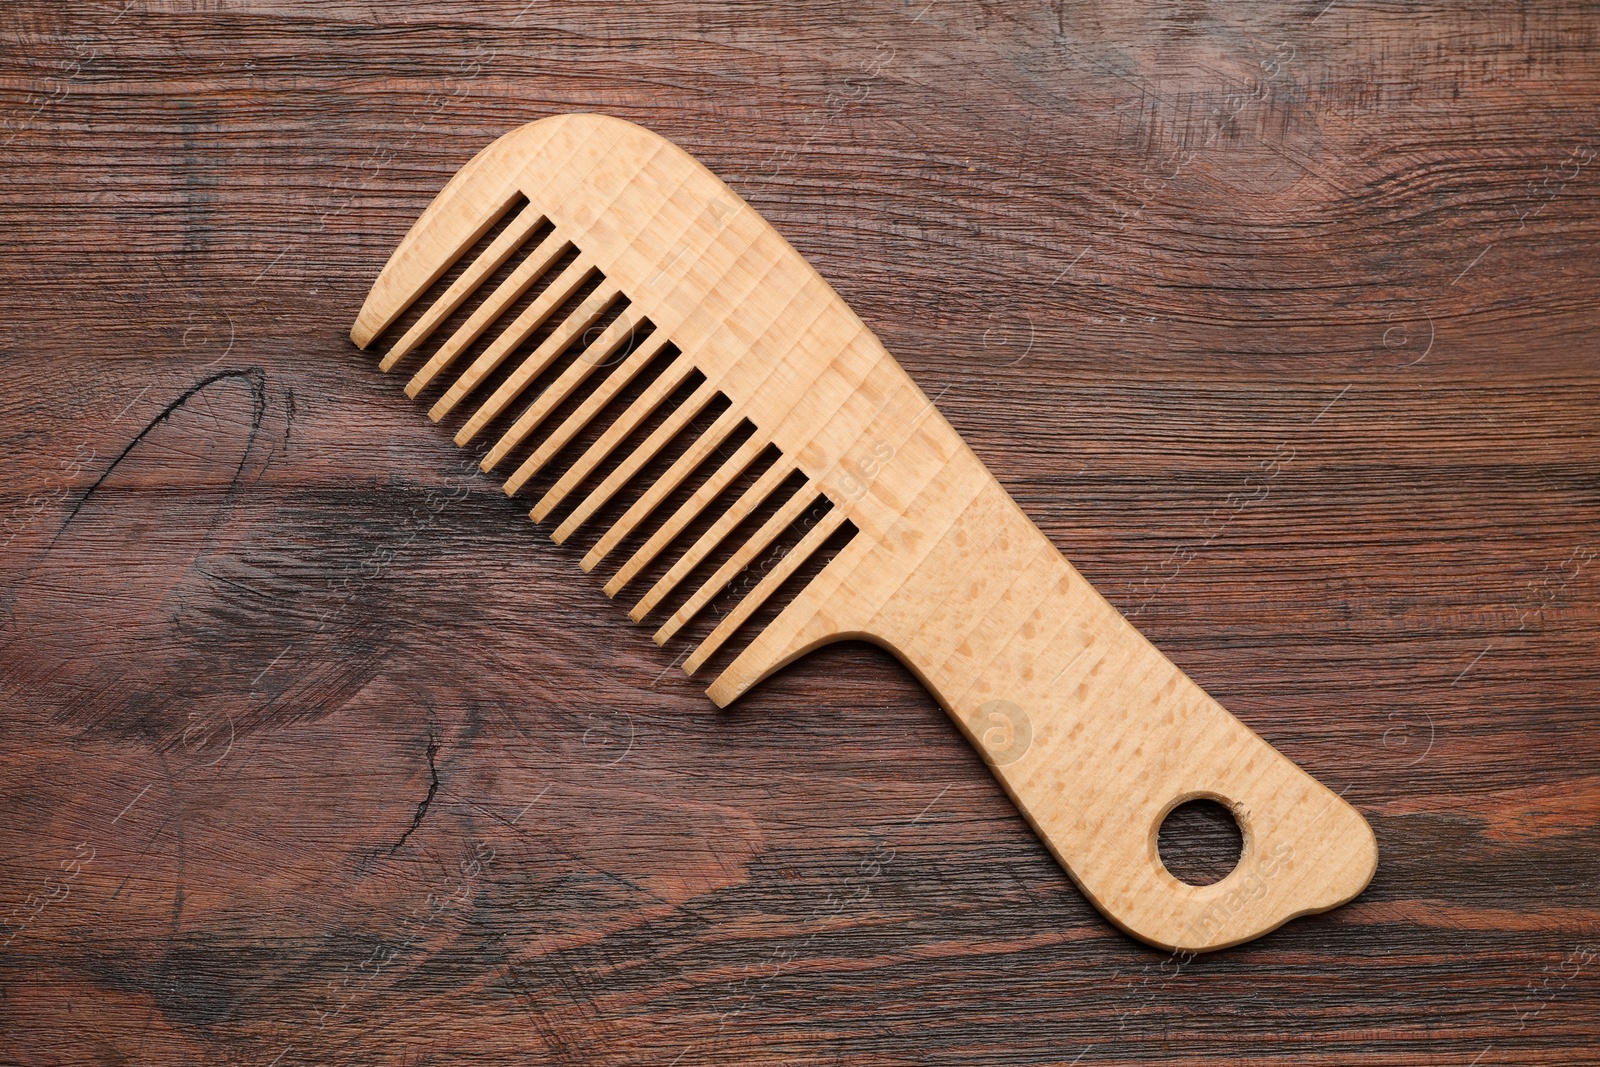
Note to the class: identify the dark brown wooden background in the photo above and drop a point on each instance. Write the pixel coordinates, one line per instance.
(1279, 318)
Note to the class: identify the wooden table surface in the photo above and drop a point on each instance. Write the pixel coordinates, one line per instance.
(1279, 319)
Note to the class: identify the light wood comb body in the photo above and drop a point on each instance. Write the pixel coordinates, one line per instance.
(1091, 730)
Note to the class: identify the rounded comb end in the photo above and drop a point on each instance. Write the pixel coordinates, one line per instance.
(363, 331)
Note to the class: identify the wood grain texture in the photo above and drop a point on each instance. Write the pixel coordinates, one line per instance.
(1280, 321)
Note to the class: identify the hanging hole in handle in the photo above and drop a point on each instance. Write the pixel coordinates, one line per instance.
(1200, 842)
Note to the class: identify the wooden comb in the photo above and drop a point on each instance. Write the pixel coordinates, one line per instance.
(608, 257)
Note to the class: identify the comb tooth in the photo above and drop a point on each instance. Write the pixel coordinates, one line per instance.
(642, 408)
(714, 487)
(557, 293)
(663, 486)
(593, 357)
(746, 554)
(592, 405)
(582, 317)
(480, 194)
(647, 450)
(487, 263)
(780, 573)
(748, 501)
(509, 291)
